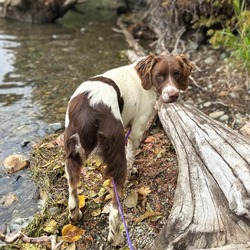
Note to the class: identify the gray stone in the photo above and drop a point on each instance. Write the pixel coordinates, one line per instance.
(15, 163)
(216, 114)
(234, 95)
(224, 118)
(53, 127)
(207, 104)
(210, 60)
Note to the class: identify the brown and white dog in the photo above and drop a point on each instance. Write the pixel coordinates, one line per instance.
(103, 106)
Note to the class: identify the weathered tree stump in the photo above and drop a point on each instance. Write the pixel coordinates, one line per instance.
(212, 200)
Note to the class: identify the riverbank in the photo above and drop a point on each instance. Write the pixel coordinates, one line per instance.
(217, 88)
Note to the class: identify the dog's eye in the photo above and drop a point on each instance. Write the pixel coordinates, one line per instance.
(160, 77)
(177, 75)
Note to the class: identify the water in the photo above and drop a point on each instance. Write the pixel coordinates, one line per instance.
(40, 67)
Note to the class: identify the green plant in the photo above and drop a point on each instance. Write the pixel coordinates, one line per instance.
(236, 36)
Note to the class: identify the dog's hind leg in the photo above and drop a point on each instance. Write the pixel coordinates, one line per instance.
(75, 157)
(112, 149)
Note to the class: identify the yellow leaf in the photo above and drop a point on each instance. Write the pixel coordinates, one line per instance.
(108, 197)
(96, 212)
(107, 183)
(102, 192)
(144, 191)
(71, 233)
(81, 201)
(50, 226)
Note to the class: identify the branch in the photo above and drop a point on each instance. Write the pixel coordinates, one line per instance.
(48, 241)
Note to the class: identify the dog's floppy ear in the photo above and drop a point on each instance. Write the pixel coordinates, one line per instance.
(187, 69)
(144, 68)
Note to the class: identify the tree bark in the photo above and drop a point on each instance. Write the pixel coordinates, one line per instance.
(212, 200)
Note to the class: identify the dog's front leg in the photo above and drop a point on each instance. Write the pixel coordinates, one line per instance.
(132, 146)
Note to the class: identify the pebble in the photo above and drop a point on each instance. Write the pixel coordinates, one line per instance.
(224, 118)
(207, 104)
(216, 114)
(210, 60)
(15, 163)
(234, 95)
(62, 110)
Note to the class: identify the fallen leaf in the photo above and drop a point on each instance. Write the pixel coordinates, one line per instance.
(71, 233)
(81, 201)
(155, 218)
(96, 212)
(71, 247)
(146, 215)
(92, 194)
(50, 226)
(90, 238)
(107, 183)
(131, 200)
(144, 191)
(102, 191)
(149, 139)
(108, 197)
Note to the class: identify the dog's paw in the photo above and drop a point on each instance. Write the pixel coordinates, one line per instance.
(116, 238)
(75, 217)
(132, 171)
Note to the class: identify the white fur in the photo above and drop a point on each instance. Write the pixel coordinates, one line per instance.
(115, 236)
(98, 93)
(166, 91)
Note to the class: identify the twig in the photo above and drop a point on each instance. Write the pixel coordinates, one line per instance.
(195, 83)
(48, 241)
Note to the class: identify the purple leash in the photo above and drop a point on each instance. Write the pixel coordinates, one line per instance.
(119, 204)
(121, 213)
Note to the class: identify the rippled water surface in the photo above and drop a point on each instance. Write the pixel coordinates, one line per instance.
(40, 67)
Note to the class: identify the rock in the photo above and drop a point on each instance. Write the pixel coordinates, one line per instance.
(62, 110)
(15, 163)
(224, 118)
(8, 199)
(245, 130)
(216, 114)
(206, 104)
(234, 95)
(53, 127)
(18, 223)
(210, 60)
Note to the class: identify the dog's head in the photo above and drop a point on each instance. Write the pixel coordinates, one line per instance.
(167, 73)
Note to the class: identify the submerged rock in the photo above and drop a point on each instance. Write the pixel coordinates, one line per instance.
(8, 199)
(15, 163)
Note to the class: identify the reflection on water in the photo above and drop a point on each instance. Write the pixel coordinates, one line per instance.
(40, 68)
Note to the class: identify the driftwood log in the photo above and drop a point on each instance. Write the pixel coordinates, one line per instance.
(36, 11)
(211, 208)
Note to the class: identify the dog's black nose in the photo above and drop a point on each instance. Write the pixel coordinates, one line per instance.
(173, 95)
